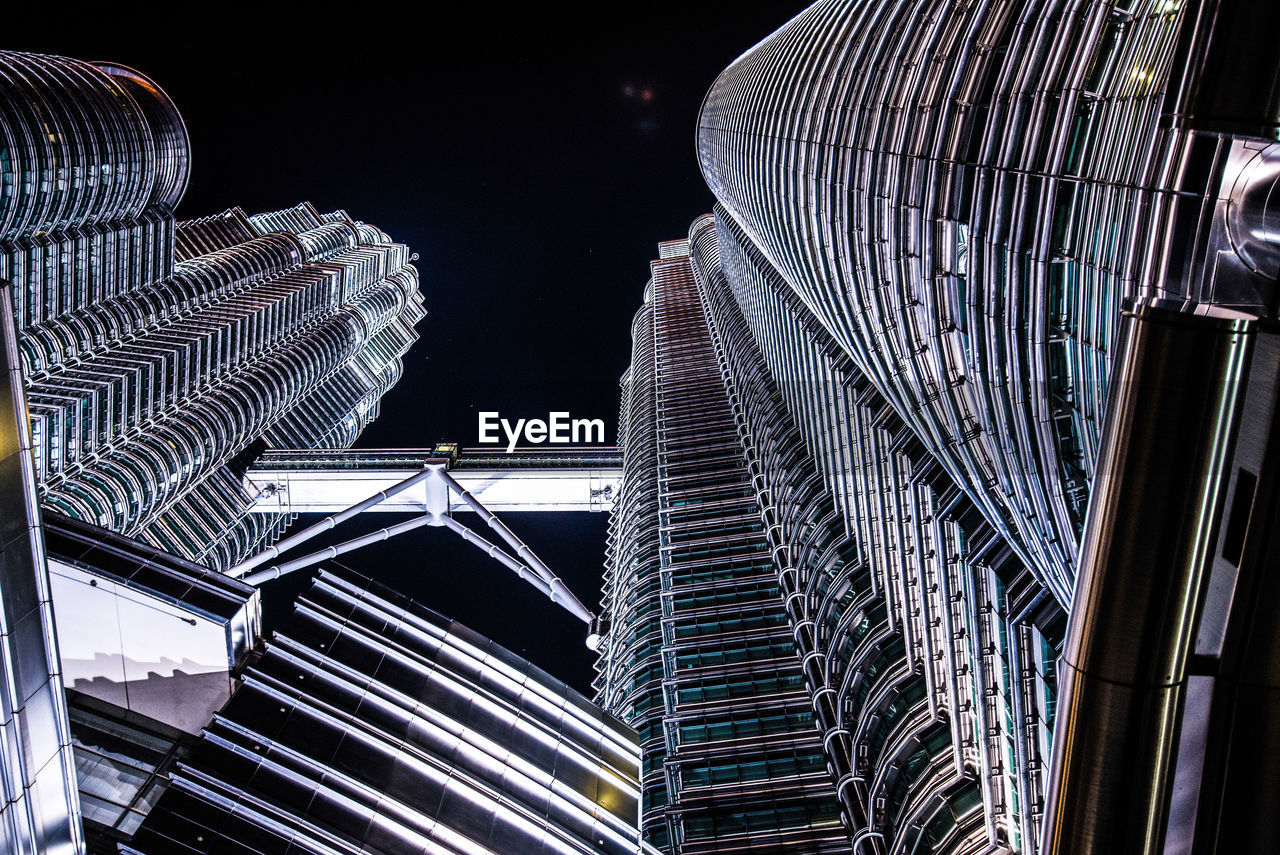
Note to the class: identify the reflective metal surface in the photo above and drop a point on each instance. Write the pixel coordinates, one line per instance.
(372, 724)
(1234, 79)
(1253, 221)
(1148, 541)
(146, 631)
(964, 194)
(325, 482)
(1235, 811)
(925, 650)
(284, 327)
(156, 352)
(700, 654)
(39, 799)
(958, 198)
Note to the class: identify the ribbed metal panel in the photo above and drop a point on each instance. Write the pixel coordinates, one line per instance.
(374, 725)
(153, 369)
(918, 573)
(39, 801)
(964, 195)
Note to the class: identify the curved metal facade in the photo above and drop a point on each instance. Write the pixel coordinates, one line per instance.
(285, 336)
(936, 643)
(93, 159)
(40, 811)
(777, 518)
(374, 725)
(963, 195)
(930, 214)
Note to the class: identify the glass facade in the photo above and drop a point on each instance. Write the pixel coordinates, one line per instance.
(929, 218)
(160, 360)
(700, 656)
(145, 631)
(965, 195)
(123, 765)
(39, 805)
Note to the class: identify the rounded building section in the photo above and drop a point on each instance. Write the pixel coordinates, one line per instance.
(84, 145)
(171, 146)
(370, 723)
(964, 201)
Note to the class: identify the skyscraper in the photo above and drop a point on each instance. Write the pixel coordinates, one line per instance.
(895, 342)
(700, 656)
(805, 610)
(160, 357)
(967, 223)
(282, 329)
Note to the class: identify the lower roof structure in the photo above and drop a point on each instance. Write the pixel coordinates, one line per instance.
(372, 724)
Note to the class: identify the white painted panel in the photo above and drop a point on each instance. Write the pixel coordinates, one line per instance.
(139, 652)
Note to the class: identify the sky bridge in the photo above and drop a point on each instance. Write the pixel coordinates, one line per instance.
(528, 479)
(431, 483)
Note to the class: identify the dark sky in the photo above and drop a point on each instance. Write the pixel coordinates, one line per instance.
(532, 161)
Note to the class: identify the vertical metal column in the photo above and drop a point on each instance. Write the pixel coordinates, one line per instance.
(1238, 641)
(1149, 537)
(39, 795)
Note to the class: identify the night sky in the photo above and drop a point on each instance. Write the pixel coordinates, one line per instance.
(533, 161)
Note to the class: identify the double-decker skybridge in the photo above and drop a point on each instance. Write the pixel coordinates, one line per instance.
(434, 483)
(330, 480)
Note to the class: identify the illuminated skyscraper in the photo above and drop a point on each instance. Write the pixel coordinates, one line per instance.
(867, 418)
(964, 200)
(160, 357)
(701, 658)
(805, 610)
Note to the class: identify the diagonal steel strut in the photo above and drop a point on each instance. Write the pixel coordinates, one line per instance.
(527, 565)
(329, 522)
(561, 593)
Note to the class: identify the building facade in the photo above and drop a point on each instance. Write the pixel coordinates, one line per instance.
(965, 195)
(820, 639)
(41, 805)
(148, 364)
(372, 724)
(366, 722)
(700, 655)
(161, 357)
(892, 345)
